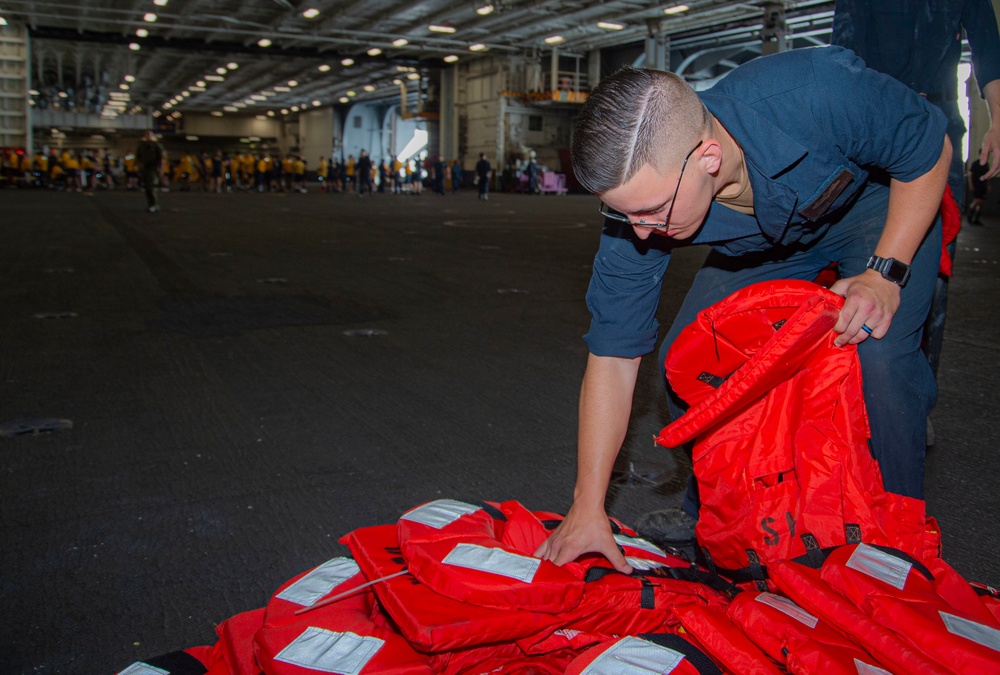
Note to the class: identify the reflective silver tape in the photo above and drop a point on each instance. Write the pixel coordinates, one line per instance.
(972, 630)
(140, 668)
(880, 565)
(869, 669)
(438, 514)
(636, 542)
(330, 652)
(320, 581)
(634, 656)
(494, 560)
(789, 608)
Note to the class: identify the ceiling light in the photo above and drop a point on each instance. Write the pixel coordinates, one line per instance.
(413, 76)
(352, 93)
(311, 13)
(185, 93)
(607, 25)
(317, 104)
(216, 113)
(239, 105)
(270, 113)
(441, 29)
(232, 65)
(201, 83)
(400, 42)
(451, 58)
(676, 9)
(295, 108)
(263, 42)
(141, 32)
(261, 117)
(129, 78)
(281, 89)
(369, 87)
(397, 82)
(267, 93)
(484, 10)
(293, 83)
(374, 51)
(343, 99)
(324, 68)
(284, 111)
(134, 46)
(3, 21)
(554, 39)
(221, 71)
(197, 88)
(257, 97)
(160, 3)
(149, 17)
(123, 87)
(478, 47)
(231, 108)
(215, 78)
(347, 62)
(249, 101)
(33, 92)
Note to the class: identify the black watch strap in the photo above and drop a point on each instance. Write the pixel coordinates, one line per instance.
(891, 269)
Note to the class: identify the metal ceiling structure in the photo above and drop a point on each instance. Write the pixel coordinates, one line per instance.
(214, 55)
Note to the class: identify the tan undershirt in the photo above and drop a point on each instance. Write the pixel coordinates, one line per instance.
(742, 201)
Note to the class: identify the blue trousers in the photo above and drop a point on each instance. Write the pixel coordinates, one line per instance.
(899, 385)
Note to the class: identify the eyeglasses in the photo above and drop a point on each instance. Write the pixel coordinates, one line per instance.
(621, 217)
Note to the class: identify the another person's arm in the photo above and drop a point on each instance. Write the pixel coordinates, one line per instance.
(605, 408)
(991, 141)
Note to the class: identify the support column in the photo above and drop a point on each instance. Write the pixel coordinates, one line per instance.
(773, 34)
(593, 68)
(657, 46)
(15, 69)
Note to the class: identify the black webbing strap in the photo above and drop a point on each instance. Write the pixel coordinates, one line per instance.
(852, 533)
(757, 572)
(699, 659)
(647, 597)
(814, 554)
(697, 576)
(494, 512)
(551, 524)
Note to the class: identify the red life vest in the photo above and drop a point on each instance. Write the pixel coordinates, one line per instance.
(795, 638)
(664, 653)
(716, 635)
(192, 661)
(930, 606)
(350, 635)
(233, 653)
(781, 453)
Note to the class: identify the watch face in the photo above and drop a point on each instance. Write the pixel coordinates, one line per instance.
(897, 271)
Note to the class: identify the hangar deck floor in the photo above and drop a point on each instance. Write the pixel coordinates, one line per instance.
(227, 426)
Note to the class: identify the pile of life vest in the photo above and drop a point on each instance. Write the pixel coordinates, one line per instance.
(835, 576)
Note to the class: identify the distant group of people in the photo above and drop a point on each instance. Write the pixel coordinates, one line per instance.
(75, 170)
(362, 175)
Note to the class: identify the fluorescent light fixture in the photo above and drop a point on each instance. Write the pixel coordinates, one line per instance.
(437, 28)
(413, 76)
(293, 83)
(257, 97)
(284, 111)
(347, 62)
(267, 92)
(35, 92)
(451, 58)
(400, 42)
(478, 47)
(201, 83)
(191, 138)
(231, 108)
(397, 82)
(129, 78)
(324, 68)
(263, 42)
(270, 113)
(216, 113)
(185, 93)
(607, 25)
(352, 93)
(282, 89)
(311, 13)
(149, 17)
(232, 65)
(374, 51)
(295, 108)
(215, 78)
(239, 105)
(3, 21)
(484, 10)
(160, 3)
(134, 46)
(123, 87)
(554, 39)
(221, 71)
(197, 88)
(343, 99)
(676, 9)
(141, 32)
(369, 88)
(317, 104)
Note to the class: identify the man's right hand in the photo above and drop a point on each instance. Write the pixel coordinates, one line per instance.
(583, 533)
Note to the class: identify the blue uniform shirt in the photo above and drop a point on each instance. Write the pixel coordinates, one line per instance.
(812, 124)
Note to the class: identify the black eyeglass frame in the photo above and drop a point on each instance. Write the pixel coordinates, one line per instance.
(622, 218)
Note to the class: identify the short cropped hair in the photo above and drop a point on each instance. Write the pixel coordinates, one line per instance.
(633, 118)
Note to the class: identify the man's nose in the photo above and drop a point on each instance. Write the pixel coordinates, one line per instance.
(642, 231)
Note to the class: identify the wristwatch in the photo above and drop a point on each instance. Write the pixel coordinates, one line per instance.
(891, 269)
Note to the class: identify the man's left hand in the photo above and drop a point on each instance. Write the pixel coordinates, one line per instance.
(870, 302)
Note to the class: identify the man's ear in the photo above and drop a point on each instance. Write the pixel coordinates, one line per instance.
(710, 156)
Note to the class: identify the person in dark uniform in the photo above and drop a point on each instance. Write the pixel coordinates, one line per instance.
(149, 157)
(483, 173)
